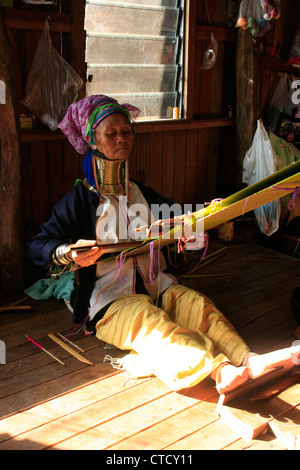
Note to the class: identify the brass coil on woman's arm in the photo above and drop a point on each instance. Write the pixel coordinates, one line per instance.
(60, 255)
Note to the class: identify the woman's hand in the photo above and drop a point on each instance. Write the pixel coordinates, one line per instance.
(85, 256)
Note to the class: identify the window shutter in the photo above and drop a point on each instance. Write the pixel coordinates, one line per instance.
(134, 53)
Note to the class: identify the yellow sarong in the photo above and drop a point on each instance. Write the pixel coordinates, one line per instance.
(181, 343)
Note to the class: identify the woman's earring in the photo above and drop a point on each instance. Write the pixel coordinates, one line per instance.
(94, 147)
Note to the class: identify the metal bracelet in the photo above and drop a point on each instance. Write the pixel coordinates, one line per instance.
(59, 255)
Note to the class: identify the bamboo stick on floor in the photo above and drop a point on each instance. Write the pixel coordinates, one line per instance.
(70, 350)
(45, 350)
(16, 306)
(70, 342)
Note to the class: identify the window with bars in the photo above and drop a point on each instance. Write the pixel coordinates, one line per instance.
(134, 53)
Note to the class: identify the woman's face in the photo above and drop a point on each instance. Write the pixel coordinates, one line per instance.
(114, 137)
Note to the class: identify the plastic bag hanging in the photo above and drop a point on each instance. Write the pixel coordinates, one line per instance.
(211, 54)
(294, 54)
(260, 162)
(257, 15)
(52, 84)
(281, 102)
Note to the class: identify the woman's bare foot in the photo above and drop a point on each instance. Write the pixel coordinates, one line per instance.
(260, 364)
(228, 377)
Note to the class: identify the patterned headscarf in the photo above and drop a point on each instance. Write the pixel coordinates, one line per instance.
(83, 117)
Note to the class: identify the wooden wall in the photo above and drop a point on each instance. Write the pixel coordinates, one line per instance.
(49, 165)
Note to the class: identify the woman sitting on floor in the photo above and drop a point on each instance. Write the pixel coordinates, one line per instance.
(176, 333)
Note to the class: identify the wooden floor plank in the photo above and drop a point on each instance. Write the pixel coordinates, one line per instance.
(27, 356)
(99, 410)
(246, 269)
(55, 408)
(134, 420)
(248, 277)
(45, 390)
(264, 442)
(255, 317)
(215, 436)
(38, 308)
(43, 312)
(159, 436)
(286, 429)
(261, 294)
(250, 419)
(176, 427)
(50, 370)
(274, 337)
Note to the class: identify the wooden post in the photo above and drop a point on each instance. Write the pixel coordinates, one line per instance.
(77, 10)
(190, 38)
(247, 96)
(11, 245)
